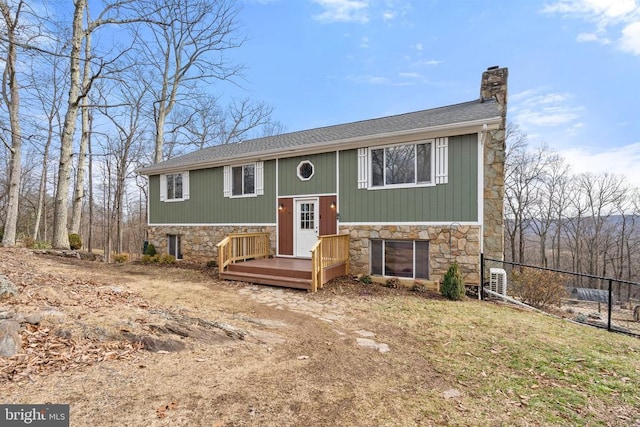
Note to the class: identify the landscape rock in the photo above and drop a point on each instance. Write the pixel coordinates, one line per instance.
(7, 289)
(157, 345)
(451, 393)
(10, 339)
(33, 319)
(6, 313)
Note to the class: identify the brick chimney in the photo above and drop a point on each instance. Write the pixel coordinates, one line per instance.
(494, 86)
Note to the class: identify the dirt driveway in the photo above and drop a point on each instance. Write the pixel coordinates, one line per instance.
(222, 353)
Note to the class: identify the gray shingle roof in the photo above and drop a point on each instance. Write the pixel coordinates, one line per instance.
(449, 115)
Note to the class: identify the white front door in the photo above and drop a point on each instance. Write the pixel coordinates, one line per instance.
(305, 226)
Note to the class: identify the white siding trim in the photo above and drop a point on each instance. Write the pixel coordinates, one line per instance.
(442, 160)
(163, 188)
(435, 224)
(227, 181)
(234, 224)
(259, 178)
(363, 172)
(185, 185)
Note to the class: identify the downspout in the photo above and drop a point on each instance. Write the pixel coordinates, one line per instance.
(481, 141)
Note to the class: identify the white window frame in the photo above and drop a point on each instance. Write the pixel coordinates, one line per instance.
(429, 183)
(414, 261)
(258, 176)
(164, 196)
(439, 165)
(313, 170)
(178, 246)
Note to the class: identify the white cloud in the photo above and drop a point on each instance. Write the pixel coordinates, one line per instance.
(410, 75)
(620, 17)
(343, 11)
(388, 15)
(364, 42)
(534, 108)
(419, 47)
(622, 160)
(630, 40)
(592, 37)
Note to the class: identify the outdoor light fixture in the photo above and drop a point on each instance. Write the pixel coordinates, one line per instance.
(333, 205)
(280, 207)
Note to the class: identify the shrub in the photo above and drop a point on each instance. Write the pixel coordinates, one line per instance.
(419, 286)
(166, 259)
(28, 242)
(393, 283)
(121, 258)
(151, 250)
(367, 280)
(538, 288)
(75, 241)
(212, 263)
(40, 244)
(148, 259)
(453, 283)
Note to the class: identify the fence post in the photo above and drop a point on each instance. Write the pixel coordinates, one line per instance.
(481, 276)
(610, 304)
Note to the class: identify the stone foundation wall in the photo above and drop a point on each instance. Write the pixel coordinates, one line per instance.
(198, 243)
(464, 248)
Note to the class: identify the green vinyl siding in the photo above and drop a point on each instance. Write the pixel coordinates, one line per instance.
(455, 201)
(323, 180)
(207, 204)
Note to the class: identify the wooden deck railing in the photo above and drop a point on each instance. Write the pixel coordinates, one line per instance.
(241, 247)
(329, 251)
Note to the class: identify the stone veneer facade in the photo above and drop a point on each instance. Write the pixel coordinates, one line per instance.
(494, 86)
(198, 243)
(464, 248)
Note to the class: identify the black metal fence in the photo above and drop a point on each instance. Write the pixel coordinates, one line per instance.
(576, 296)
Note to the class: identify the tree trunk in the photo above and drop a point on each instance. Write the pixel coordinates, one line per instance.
(60, 238)
(78, 194)
(12, 101)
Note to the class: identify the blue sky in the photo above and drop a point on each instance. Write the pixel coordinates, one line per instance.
(574, 66)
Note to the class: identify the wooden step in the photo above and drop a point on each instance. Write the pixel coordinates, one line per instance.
(268, 270)
(266, 279)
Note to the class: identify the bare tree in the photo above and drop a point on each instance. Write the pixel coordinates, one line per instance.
(125, 147)
(548, 199)
(78, 89)
(11, 98)
(523, 172)
(187, 47)
(205, 123)
(47, 86)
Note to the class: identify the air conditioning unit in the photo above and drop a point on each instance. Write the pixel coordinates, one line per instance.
(498, 281)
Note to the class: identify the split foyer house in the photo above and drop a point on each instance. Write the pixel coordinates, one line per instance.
(413, 192)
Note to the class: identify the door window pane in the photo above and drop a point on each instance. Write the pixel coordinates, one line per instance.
(307, 216)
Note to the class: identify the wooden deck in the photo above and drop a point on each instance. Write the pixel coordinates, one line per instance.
(285, 272)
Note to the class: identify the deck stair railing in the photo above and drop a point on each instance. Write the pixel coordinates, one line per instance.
(241, 247)
(329, 251)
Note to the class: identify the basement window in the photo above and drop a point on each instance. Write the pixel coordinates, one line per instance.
(174, 245)
(400, 258)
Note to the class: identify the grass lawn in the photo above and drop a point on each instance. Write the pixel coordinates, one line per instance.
(517, 367)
